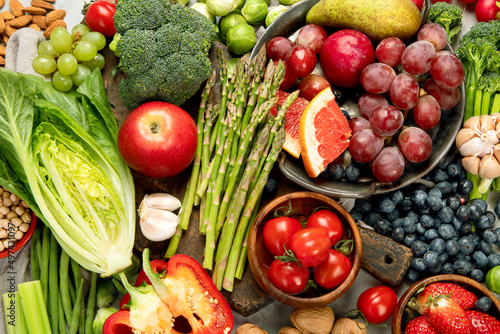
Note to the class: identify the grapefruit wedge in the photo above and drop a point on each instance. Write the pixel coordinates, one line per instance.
(293, 114)
(323, 132)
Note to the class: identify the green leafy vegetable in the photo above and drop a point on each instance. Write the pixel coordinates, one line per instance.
(59, 154)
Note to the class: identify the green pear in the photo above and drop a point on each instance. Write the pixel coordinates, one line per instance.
(377, 19)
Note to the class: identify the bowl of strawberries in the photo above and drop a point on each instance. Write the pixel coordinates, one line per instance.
(447, 304)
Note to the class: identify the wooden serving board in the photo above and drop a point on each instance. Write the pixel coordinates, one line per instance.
(247, 297)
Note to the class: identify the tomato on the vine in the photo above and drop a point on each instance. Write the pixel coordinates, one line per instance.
(289, 277)
(99, 17)
(310, 246)
(377, 303)
(330, 273)
(277, 233)
(487, 10)
(329, 221)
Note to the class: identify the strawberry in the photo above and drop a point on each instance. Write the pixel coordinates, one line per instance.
(483, 323)
(464, 298)
(446, 316)
(420, 325)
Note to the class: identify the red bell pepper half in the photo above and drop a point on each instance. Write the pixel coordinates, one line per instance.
(182, 299)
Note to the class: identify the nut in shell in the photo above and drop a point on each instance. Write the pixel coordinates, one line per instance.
(289, 330)
(249, 328)
(318, 320)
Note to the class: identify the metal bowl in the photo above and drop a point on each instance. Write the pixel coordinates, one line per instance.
(443, 135)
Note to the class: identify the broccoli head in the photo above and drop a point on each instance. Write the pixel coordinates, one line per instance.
(167, 60)
(447, 15)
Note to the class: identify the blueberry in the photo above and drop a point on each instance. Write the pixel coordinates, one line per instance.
(475, 212)
(465, 186)
(382, 226)
(465, 228)
(490, 214)
(336, 172)
(448, 268)
(419, 248)
(435, 192)
(427, 220)
(345, 113)
(483, 304)
(475, 238)
(420, 228)
(436, 270)
(446, 214)
(409, 224)
(425, 211)
(446, 231)
(372, 217)
(463, 212)
(356, 215)
(398, 234)
(484, 247)
(397, 196)
(398, 222)
(496, 208)
(413, 214)
(462, 267)
(444, 162)
(393, 215)
(412, 275)
(431, 234)
(484, 222)
(439, 175)
(480, 259)
(443, 257)
(481, 203)
(409, 240)
(477, 275)
(431, 258)
(490, 236)
(453, 202)
(437, 245)
(271, 188)
(453, 170)
(457, 224)
(435, 203)
(418, 264)
(497, 231)
(419, 198)
(493, 260)
(406, 202)
(451, 247)
(363, 206)
(466, 245)
(386, 205)
(445, 187)
(352, 173)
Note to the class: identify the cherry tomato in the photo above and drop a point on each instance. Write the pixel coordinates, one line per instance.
(289, 277)
(486, 10)
(99, 17)
(310, 245)
(329, 221)
(377, 303)
(330, 273)
(277, 233)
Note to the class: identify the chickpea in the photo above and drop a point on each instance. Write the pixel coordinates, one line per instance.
(19, 210)
(24, 227)
(4, 223)
(1, 201)
(26, 217)
(19, 235)
(24, 205)
(3, 234)
(7, 243)
(7, 202)
(1, 191)
(16, 221)
(4, 210)
(2, 248)
(11, 215)
(15, 199)
(5, 194)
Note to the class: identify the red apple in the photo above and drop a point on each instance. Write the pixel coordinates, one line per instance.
(158, 139)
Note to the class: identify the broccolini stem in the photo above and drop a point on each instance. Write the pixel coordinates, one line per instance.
(495, 107)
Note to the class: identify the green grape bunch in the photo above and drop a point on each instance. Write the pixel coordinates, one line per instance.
(69, 57)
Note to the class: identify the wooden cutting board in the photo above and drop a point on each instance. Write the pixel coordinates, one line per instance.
(247, 297)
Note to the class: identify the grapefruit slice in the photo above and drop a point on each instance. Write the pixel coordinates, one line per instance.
(323, 132)
(293, 114)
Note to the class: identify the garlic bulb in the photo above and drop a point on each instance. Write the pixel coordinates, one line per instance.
(157, 221)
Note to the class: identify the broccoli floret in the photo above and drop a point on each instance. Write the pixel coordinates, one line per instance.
(447, 15)
(166, 60)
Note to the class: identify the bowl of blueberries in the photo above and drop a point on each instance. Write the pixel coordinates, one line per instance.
(448, 232)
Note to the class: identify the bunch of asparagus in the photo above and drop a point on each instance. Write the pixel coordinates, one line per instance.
(238, 144)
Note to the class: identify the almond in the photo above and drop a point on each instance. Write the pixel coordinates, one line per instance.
(58, 23)
(2, 2)
(16, 8)
(6, 15)
(54, 15)
(35, 26)
(39, 20)
(2, 61)
(5, 39)
(42, 4)
(21, 21)
(9, 30)
(2, 25)
(2, 50)
(34, 10)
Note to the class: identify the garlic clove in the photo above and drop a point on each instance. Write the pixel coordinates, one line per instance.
(475, 147)
(487, 123)
(473, 123)
(159, 229)
(463, 136)
(162, 201)
(489, 168)
(471, 164)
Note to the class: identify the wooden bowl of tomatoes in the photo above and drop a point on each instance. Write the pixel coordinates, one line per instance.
(304, 249)
(464, 292)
